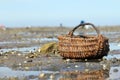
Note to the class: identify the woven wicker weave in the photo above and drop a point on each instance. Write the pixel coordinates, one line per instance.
(83, 47)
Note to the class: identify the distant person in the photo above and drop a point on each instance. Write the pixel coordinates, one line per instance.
(2, 27)
(82, 21)
(61, 25)
(83, 32)
(86, 26)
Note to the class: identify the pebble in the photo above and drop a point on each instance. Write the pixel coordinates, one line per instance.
(52, 76)
(114, 60)
(12, 53)
(42, 75)
(26, 57)
(27, 68)
(87, 64)
(25, 61)
(86, 70)
(30, 61)
(38, 50)
(76, 66)
(19, 54)
(115, 70)
(48, 62)
(19, 64)
(104, 58)
(86, 60)
(5, 57)
(67, 60)
(68, 67)
(1, 53)
(32, 56)
(106, 66)
(76, 70)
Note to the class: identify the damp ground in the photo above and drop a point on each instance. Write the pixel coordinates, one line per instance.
(20, 59)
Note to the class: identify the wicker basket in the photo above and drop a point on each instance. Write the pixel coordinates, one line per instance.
(82, 46)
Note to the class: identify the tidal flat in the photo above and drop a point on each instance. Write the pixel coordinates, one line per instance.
(20, 58)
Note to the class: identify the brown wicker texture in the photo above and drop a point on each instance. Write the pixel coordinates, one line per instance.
(90, 75)
(83, 47)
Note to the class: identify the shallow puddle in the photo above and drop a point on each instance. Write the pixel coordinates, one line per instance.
(114, 46)
(26, 42)
(112, 74)
(117, 56)
(22, 49)
(6, 72)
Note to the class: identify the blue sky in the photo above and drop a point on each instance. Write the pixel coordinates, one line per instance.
(53, 12)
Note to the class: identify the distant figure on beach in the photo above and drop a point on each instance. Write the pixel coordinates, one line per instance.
(82, 21)
(61, 25)
(83, 31)
(2, 27)
(86, 26)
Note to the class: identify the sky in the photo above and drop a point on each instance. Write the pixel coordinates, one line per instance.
(22, 13)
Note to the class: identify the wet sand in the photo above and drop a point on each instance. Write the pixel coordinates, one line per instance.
(19, 56)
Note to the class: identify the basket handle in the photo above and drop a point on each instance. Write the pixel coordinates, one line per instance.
(83, 24)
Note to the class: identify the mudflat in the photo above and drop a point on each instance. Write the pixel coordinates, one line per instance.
(21, 59)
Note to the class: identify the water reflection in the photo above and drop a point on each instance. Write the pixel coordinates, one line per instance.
(86, 75)
(8, 72)
(114, 46)
(22, 49)
(84, 71)
(69, 71)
